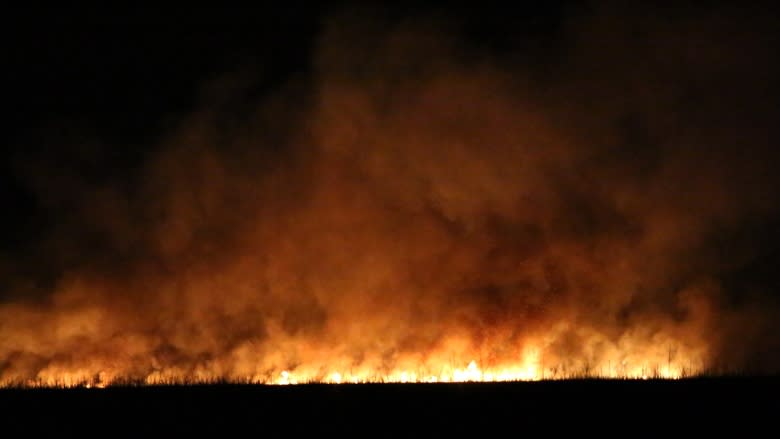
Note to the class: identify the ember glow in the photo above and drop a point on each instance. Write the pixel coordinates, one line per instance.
(412, 210)
(529, 368)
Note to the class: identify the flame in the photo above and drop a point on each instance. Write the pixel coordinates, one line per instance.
(436, 370)
(469, 373)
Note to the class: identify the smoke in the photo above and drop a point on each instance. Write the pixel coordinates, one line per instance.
(415, 202)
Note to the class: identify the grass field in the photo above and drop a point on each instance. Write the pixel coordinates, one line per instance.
(603, 407)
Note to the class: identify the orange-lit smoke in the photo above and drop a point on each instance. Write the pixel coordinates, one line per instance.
(417, 210)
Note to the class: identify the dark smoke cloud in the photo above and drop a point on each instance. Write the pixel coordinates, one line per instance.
(415, 194)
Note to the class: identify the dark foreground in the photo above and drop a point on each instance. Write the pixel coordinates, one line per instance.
(743, 406)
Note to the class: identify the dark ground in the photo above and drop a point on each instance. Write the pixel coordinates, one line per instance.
(747, 407)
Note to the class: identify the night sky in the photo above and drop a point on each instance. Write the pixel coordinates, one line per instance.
(254, 179)
(93, 90)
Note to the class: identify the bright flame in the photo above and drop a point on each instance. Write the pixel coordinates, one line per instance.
(530, 368)
(456, 358)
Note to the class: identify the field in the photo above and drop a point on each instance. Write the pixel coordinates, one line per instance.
(601, 407)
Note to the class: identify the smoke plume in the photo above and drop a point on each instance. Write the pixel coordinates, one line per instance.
(414, 203)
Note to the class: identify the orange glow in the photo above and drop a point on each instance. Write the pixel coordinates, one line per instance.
(435, 368)
(470, 373)
(403, 214)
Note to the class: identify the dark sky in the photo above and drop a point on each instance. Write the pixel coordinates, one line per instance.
(93, 89)
(117, 79)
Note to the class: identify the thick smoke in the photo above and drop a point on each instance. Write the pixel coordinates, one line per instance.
(415, 203)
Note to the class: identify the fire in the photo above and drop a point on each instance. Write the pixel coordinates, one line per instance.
(529, 368)
(389, 221)
(469, 373)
